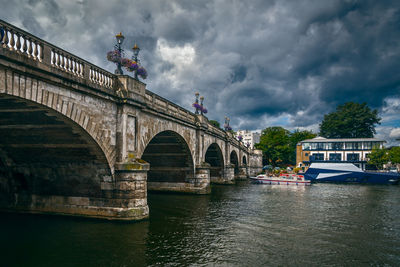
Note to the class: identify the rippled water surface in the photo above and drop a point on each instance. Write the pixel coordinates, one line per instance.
(241, 225)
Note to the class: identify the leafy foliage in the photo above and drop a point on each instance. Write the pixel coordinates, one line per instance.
(350, 120)
(279, 145)
(378, 157)
(215, 123)
(394, 155)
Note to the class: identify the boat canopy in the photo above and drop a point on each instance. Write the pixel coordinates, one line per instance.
(338, 167)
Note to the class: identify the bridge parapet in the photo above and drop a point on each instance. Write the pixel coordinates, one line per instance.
(33, 48)
(161, 104)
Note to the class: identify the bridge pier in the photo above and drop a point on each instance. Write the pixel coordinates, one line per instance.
(130, 192)
(242, 173)
(197, 184)
(229, 174)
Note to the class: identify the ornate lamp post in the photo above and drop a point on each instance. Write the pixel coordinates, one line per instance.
(120, 40)
(136, 51)
(226, 124)
(196, 103)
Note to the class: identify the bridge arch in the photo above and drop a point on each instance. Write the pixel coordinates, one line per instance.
(171, 162)
(235, 161)
(215, 158)
(45, 155)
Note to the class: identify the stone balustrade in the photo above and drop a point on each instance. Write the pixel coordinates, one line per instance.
(21, 42)
(159, 103)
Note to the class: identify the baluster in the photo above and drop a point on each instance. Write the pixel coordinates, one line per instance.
(5, 38)
(35, 50)
(12, 41)
(18, 45)
(79, 69)
(67, 63)
(71, 65)
(30, 48)
(96, 76)
(53, 60)
(75, 68)
(91, 74)
(25, 46)
(58, 59)
(102, 78)
(62, 61)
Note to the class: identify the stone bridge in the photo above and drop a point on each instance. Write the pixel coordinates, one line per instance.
(76, 139)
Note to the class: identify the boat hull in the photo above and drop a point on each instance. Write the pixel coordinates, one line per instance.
(348, 176)
(278, 182)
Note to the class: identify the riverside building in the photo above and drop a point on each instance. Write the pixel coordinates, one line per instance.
(347, 150)
(248, 137)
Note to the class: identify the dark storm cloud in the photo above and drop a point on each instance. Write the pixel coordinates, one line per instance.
(259, 62)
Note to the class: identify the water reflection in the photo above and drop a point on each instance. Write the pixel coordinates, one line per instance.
(242, 225)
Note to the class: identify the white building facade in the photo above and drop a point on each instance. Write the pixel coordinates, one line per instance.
(248, 138)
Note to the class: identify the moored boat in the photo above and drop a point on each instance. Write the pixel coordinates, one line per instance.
(347, 173)
(283, 179)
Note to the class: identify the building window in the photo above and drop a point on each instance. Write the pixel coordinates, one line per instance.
(353, 146)
(337, 146)
(335, 157)
(353, 157)
(306, 154)
(306, 146)
(368, 145)
(318, 156)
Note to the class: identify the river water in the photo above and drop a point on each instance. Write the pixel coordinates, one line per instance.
(241, 225)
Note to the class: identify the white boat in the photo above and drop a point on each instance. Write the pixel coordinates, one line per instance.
(283, 179)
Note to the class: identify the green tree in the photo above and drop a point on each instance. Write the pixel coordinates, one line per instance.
(274, 142)
(378, 157)
(394, 155)
(215, 123)
(350, 120)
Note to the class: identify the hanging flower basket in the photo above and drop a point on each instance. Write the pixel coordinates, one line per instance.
(197, 106)
(114, 56)
(240, 138)
(142, 72)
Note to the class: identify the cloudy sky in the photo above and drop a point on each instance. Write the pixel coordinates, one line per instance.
(262, 63)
